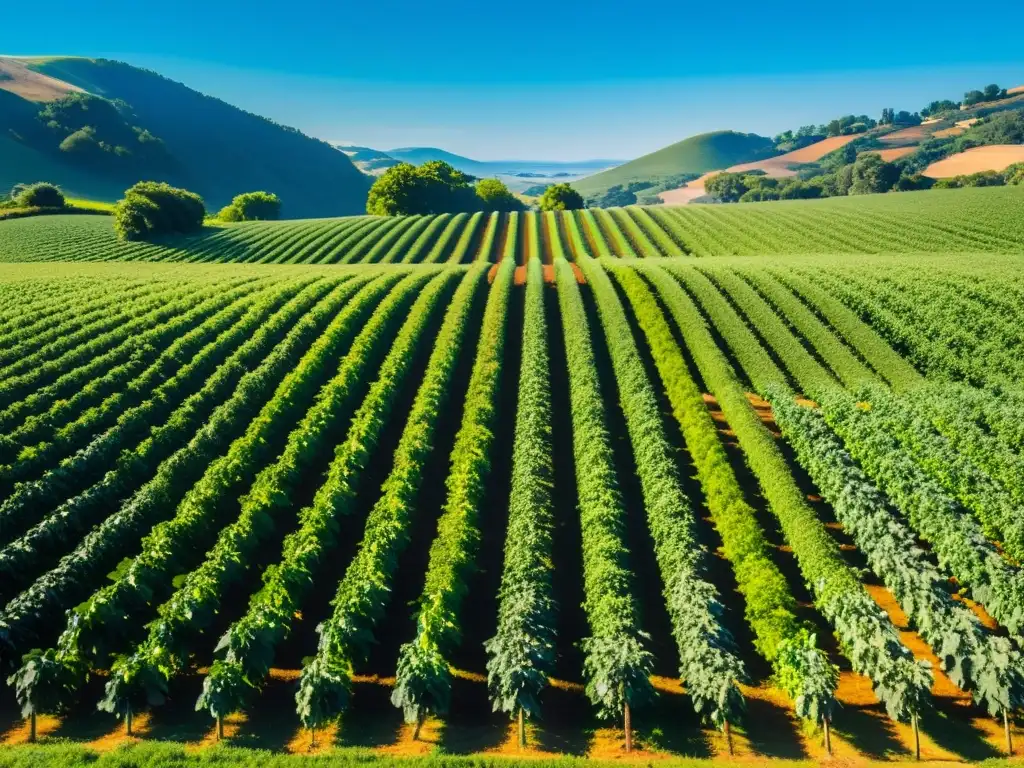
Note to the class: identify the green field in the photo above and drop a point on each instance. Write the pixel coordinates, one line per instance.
(391, 483)
(968, 220)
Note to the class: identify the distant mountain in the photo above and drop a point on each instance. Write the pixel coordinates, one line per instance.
(155, 128)
(517, 174)
(695, 155)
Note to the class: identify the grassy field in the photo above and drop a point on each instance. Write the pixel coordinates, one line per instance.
(969, 220)
(338, 502)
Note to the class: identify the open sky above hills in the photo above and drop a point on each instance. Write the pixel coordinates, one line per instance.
(582, 80)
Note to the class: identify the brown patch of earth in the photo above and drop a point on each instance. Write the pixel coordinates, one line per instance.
(32, 85)
(994, 157)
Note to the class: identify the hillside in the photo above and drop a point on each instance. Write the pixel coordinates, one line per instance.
(695, 155)
(987, 219)
(211, 147)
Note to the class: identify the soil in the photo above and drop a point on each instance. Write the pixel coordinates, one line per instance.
(994, 157)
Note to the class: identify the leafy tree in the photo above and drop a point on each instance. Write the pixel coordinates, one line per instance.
(937, 107)
(153, 208)
(434, 187)
(495, 196)
(1014, 174)
(560, 197)
(871, 174)
(252, 206)
(39, 195)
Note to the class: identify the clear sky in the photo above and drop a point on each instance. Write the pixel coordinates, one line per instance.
(568, 80)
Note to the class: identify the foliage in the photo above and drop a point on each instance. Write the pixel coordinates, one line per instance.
(423, 679)
(434, 187)
(990, 93)
(560, 197)
(325, 686)
(252, 206)
(521, 655)
(152, 208)
(38, 195)
(495, 196)
(617, 664)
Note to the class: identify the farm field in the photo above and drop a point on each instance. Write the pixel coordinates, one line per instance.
(728, 508)
(969, 220)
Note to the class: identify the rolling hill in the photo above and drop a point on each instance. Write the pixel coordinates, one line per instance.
(697, 154)
(215, 149)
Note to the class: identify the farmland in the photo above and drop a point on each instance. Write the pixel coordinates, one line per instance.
(709, 482)
(968, 220)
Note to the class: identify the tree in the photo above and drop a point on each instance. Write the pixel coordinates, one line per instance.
(434, 187)
(727, 187)
(560, 197)
(155, 208)
(1014, 174)
(871, 174)
(38, 195)
(937, 107)
(495, 196)
(252, 206)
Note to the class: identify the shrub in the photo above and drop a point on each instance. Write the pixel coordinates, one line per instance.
(1014, 174)
(39, 195)
(155, 208)
(252, 206)
(495, 196)
(560, 197)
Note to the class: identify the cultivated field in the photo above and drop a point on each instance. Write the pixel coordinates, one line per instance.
(994, 157)
(701, 507)
(986, 219)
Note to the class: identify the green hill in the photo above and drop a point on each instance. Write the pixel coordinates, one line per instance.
(695, 155)
(206, 144)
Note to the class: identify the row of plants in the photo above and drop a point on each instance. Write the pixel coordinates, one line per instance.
(866, 634)
(108, 620)
(617, 664)
(363, 594)
(43, 439)
(521, 655)
(789, 644)
(710, 666)
(135, 451)
(423, 679)
(249, 644)
(201, 429)
(956, 539)
(196, 601)
(976, 660)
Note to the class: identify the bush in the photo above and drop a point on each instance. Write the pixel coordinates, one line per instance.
(495, 196)
(560, 197)
(1014, 174)
(252, 206)
(39, 195)
(153, 208)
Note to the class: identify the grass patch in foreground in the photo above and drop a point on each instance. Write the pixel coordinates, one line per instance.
(146, 754)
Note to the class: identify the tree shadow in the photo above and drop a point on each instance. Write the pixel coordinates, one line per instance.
(870, 733)
(373, 721)
(957, 734)
(772, 730)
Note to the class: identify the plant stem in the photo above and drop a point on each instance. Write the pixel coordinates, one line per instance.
(728, 737)
(828, 735)
(917, 738)
(522, 728)
(32, 728)
(629, 728)
(1009, 736)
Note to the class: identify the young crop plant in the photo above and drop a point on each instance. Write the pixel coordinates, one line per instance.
(617, 664)
(250, 642)
(866, 634)
(976, 660)
(172, 637)
(325, 686)
(522, 653)
(710, 666)
(801, 669)
(423, 680)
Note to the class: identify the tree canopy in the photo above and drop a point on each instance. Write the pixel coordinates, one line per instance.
(560, 197)
(38, 195)
(436, 187)
(495, 196)
(252, 206)
(153, 208)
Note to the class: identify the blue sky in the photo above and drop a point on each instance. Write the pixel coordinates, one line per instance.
(570, 80)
